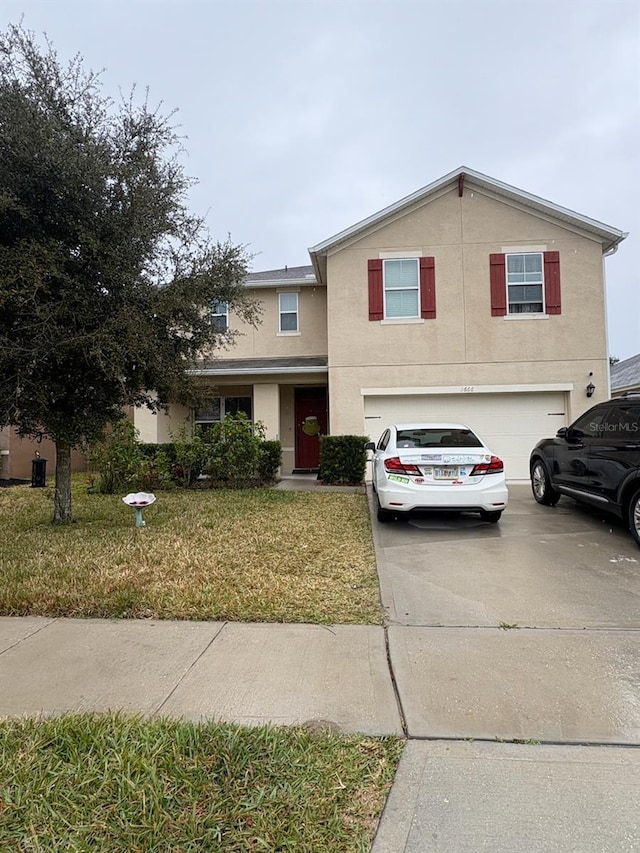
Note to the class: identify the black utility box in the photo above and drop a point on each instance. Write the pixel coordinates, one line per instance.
(38, 473)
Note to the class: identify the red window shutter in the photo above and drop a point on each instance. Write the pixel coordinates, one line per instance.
(376, 300)
(428, 288)
(552, 282)
(498, 285)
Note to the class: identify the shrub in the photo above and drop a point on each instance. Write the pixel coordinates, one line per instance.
(116, 459)
(150, 451)
(190, 456)
(158, 472)
(343, 459)
(269, 460)
(233, 451)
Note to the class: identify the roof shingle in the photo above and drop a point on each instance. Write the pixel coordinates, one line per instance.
(626, 374)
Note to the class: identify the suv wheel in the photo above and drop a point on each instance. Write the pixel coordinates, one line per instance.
(541, 485)
(634, 516)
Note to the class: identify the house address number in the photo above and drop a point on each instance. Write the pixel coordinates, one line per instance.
(468, 389)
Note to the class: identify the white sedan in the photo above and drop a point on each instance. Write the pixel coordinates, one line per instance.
(436, 467)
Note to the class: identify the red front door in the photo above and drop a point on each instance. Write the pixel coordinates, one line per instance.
(311, 423)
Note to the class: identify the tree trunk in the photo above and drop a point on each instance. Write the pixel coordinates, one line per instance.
(62, 498)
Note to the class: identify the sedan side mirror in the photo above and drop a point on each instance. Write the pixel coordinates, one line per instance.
(370, 445)
(562, 432)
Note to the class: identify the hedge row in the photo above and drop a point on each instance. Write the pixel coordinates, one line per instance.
(233, 453)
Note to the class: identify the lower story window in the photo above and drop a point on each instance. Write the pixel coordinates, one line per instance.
(215, 409)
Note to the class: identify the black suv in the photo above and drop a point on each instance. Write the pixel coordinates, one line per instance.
(595, 460)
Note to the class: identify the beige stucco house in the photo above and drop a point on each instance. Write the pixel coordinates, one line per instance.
(469, 300)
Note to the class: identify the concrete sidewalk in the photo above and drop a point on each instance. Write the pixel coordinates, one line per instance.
(247, 673)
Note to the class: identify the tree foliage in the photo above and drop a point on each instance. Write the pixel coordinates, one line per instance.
(106, 278)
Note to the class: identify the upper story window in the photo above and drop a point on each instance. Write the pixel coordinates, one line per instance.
(288, 311)
(220, 316)
(525, 283)
(401, 288)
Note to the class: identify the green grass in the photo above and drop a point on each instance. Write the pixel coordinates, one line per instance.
(115, 783)
(254, 555)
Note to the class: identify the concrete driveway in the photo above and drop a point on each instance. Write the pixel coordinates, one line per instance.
(528, 629)
(515, 651)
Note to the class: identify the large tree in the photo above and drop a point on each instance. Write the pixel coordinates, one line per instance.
(106, 279)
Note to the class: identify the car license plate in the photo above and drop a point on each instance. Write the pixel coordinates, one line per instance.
(449, 472)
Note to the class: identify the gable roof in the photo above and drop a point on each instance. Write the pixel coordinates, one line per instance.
(626, 374)
(608, 236)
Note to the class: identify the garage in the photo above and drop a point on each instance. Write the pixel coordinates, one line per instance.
(510, 423)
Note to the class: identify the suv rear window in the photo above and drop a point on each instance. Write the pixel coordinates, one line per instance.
(430, 437)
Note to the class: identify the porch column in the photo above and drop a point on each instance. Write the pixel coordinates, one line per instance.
(266, 408)
(161, 427)
(147, 425)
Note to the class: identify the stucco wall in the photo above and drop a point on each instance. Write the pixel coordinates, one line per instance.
(16, 465)
(465, 345)
(266, 341)
(159, 428)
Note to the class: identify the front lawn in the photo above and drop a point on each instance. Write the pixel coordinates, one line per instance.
(112, 783)
(256, 555)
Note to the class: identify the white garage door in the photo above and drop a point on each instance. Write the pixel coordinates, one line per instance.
(510, 423)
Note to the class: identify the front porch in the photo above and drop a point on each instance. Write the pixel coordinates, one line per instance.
(289, 396)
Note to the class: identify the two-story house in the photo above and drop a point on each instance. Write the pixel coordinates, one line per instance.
(469, 300)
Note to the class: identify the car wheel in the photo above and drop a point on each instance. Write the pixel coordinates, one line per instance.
(541, 485)
(383, 514)
(634, 516)
(493, 517)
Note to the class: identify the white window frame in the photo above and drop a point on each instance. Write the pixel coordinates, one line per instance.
(198, 420)
(225, 314)
(404, 317)
(524, 314)
(281, 312)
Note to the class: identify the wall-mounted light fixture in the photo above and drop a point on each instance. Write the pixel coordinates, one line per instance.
(590, 387)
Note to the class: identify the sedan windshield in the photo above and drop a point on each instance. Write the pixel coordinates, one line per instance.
(434, 437)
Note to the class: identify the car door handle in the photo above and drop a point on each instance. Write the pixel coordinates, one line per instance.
(631, 446)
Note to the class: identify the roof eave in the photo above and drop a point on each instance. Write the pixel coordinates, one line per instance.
(255, 371)
(281, 282)
(609, 237)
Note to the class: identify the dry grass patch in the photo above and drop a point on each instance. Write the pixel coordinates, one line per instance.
(254, 555)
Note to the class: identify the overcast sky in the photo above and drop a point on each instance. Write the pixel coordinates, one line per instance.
(304, 116)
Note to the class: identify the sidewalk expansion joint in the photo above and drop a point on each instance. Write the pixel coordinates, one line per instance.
(188, 669)
(526, 741)
(28, 637)
(396, 691)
